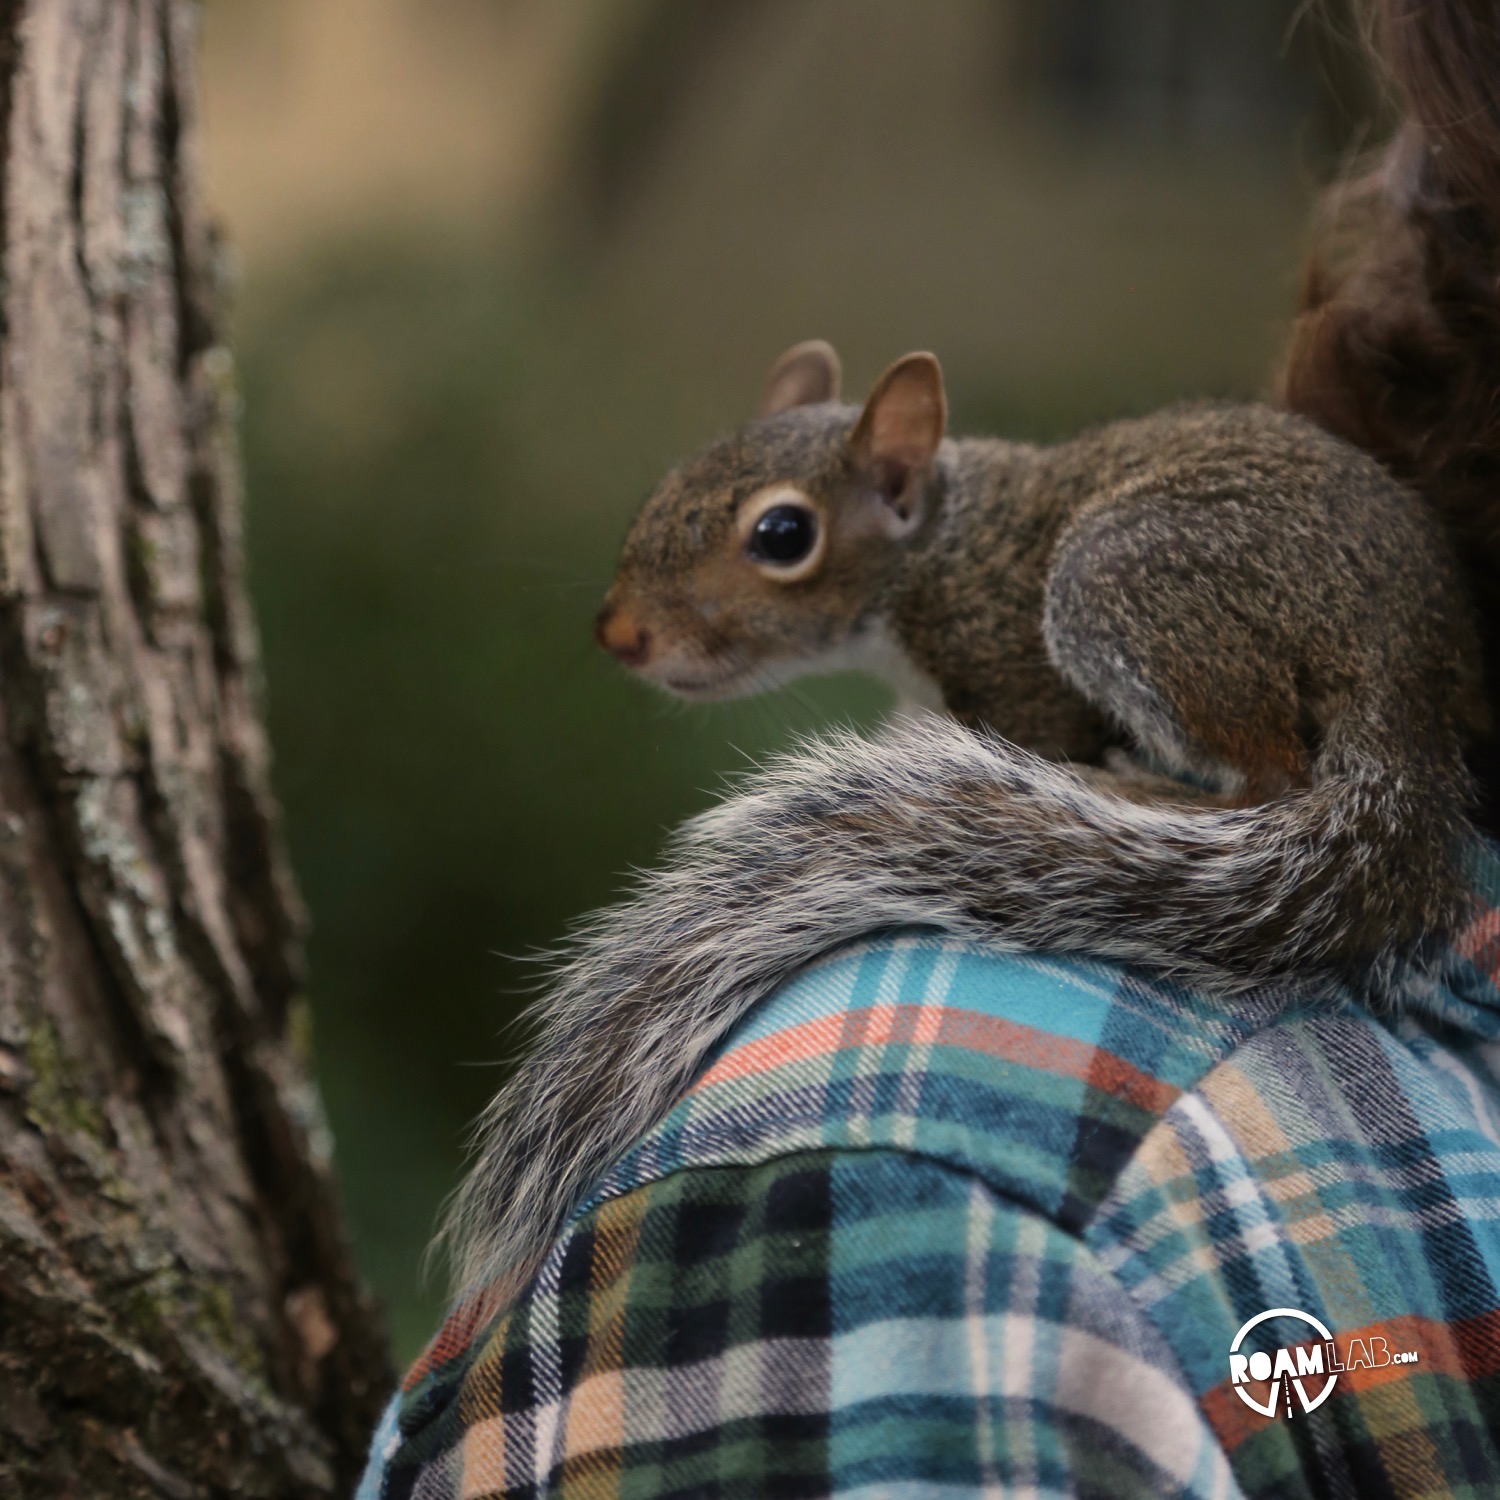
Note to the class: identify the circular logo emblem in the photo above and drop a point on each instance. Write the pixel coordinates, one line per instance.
(1265, 1379)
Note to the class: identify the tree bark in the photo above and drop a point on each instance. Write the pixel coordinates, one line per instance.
(179, 1315)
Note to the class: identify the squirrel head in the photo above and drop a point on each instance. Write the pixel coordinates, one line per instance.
(770, 552)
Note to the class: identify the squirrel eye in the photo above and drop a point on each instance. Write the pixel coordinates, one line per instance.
(785, 534)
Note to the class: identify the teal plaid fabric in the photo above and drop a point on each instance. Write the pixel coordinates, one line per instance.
(939, 1221)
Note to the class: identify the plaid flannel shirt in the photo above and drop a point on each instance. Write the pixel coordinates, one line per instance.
(941, 1221)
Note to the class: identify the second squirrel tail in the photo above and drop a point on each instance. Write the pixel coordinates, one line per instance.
(1396, 346)
(931, 824)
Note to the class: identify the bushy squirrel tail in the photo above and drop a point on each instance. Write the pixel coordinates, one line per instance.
(931, 824)
(1396, 345)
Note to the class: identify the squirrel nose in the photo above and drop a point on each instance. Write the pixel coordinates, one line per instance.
(622, 635)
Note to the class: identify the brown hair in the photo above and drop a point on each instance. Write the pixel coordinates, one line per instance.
(1396, 344)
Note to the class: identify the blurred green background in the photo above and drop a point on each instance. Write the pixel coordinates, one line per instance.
(503, 260)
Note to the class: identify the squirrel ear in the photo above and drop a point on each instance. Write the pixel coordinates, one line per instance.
(903, 421)
(805, 375)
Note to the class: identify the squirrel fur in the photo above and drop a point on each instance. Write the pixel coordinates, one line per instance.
(1237, 592)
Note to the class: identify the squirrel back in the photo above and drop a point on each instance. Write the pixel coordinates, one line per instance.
(1396, 344)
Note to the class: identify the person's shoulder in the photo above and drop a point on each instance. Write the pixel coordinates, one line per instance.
(859, 1129)
(1036, 1073)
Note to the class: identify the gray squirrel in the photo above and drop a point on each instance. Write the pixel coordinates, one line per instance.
(1248, 598)
(1253, 602)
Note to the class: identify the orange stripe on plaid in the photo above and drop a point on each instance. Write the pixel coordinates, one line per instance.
(1479, 943)
(454, 1337)
(962, 1030)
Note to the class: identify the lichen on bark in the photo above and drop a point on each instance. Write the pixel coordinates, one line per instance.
(179, 1314)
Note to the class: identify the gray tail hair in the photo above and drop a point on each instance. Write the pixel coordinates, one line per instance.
(931, 824)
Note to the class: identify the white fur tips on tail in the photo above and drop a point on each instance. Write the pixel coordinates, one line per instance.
(929, 824)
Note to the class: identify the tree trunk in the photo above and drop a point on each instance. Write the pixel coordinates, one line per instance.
(178, 1311)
